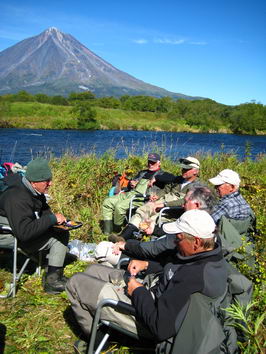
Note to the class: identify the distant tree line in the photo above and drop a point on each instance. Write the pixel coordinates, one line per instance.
(205, 114)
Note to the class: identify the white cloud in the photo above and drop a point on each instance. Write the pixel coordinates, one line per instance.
(169, 41)
(198, 43)
(140, 41)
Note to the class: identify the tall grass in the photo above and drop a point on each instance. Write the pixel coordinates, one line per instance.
(34, 115)
(37, 322)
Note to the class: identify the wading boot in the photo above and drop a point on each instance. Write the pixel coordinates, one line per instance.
(128, 231)
(117, 228)
(107, 227)
(54, 282)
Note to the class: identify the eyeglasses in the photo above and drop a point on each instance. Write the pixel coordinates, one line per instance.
(185, 162)
(152, 162)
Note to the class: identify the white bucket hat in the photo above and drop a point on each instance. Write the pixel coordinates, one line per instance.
(194, 222)
(226, 176)
(104, 253)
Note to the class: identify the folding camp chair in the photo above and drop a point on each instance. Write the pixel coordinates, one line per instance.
(193, 337)
(16, 275)
(136, 198)
(177, 210)
(120, 306)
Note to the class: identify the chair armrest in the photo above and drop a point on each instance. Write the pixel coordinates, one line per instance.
(163, 210)
(138, 195)
(117, 305)
(5, 229)
(121, 261)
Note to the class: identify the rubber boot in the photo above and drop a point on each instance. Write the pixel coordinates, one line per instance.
(117, 228)
(107, 227)
(54, 282)
(128, 231)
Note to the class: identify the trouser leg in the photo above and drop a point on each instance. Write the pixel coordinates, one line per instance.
(122, 207)
(109, 206)
(144, 212)
(83, 290)
(86, 290)
(57, 246)
(6, 241)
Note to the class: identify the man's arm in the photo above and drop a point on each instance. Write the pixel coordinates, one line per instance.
(23, 222)
(164, 317)
(147, 250)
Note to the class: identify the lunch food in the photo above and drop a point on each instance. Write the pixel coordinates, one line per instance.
(143, 225)
(69, 225)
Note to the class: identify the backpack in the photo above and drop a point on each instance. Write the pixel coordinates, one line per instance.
(205, 328)
(119, 184)
(232, 233)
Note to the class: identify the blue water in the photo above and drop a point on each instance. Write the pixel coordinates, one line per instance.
(21, 145)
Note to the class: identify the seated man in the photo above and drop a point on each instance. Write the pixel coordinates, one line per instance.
(196, 266)
(172, 195)
(23, 206)
(231, 203)
(234, 217)
(197, 197)
(114, 208)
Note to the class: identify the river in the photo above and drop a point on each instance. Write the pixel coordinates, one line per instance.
(21, 145)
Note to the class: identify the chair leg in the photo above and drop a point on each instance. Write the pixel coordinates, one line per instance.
(15, 254)
(17, 275)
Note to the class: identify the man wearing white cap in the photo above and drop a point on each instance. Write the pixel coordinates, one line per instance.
(172, 195)
(232, 204)
(196, 266)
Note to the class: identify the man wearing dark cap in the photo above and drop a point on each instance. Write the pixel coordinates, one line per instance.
(114, 208)
(23, 206)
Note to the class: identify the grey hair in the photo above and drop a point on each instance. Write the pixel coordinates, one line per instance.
(207, 243)
(204, 196)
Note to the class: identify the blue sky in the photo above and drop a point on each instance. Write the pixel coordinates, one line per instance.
(214, 49)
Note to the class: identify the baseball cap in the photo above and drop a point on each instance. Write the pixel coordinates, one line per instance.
(195, 222)
(104, 253)
(189, 162)
(153, 157)
(226, 176)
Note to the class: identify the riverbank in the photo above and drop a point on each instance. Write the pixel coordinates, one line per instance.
(34, 115)
(37, 322)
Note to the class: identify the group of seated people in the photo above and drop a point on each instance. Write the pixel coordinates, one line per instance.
(186, 258)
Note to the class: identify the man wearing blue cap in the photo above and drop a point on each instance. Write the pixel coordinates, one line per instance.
(23, 206)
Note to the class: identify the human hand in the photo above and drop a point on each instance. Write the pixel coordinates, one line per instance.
(150, 229)
(132, 285)
(118, 247)
(135, 266)
(60, 218)
(133, 183)
(151, 182)
(153, 197)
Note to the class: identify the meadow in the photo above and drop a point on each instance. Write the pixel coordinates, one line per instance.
(23, 110)
(35, 322)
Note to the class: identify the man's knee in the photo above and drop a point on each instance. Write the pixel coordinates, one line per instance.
(71, 285)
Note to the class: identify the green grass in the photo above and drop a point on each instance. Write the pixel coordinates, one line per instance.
(34, 115)
(39, 323)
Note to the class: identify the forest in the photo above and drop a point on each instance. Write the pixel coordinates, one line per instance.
(85, 111)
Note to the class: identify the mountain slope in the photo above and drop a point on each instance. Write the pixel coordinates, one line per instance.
(56, 63)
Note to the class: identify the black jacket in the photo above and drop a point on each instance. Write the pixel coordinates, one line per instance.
(179, 278)
(27, 211)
